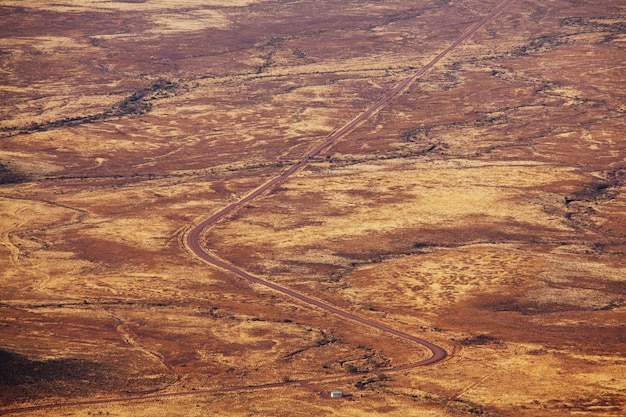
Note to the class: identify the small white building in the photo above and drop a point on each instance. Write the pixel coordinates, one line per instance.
(336, 394)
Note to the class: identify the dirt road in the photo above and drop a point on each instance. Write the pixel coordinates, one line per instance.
(194, 236)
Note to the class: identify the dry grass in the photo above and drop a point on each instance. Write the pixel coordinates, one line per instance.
(482, 210)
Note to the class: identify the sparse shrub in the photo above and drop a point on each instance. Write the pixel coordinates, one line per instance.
(352, 369)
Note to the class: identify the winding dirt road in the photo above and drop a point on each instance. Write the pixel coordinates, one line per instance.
(194, 236)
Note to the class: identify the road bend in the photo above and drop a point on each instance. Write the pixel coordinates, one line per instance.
(194, 236)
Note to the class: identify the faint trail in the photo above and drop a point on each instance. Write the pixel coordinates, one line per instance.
(470, 387)
(129, 337)
(193, 241)
(148, 397)
(40, 277)
(14, 252)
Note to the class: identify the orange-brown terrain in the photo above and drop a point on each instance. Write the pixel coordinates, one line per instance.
(482, 209)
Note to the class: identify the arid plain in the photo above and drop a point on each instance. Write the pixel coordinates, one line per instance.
(483, 209)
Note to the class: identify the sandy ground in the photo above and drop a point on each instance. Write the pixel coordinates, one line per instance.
(482, 210)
